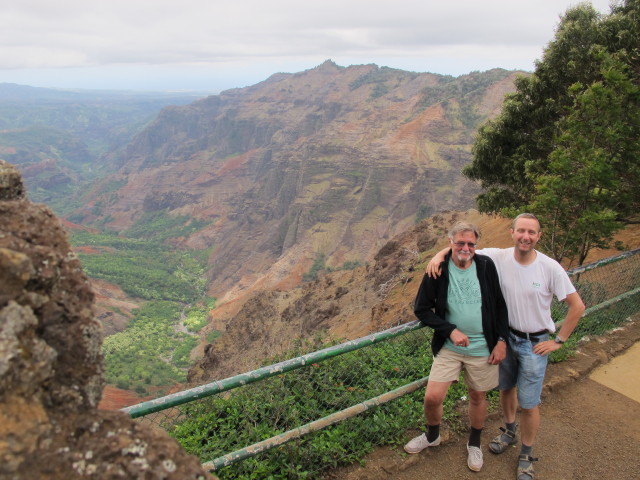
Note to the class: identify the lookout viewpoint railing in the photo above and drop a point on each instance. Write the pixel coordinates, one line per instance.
(322, 408)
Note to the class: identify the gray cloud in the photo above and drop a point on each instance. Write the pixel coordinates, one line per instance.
(216, 35)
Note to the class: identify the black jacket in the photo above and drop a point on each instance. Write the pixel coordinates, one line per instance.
(431, 304)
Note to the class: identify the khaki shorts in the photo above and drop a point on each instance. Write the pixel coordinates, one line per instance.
(479, 374)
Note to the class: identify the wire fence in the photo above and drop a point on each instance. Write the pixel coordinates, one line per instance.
(319, 408)
(609, 288)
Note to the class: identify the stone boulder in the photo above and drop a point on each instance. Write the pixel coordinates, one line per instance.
(51, 371)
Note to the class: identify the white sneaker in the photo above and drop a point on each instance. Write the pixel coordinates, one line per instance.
(419, 443)
(474, 459)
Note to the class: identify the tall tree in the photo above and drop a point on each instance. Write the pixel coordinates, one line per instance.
(588, 186)
(566, 144)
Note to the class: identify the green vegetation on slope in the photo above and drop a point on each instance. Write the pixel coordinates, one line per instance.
(154, 349)
(150, 351)
(219, 425)
(319, 265)
(196, 317)
(159, 226)
(144, 269)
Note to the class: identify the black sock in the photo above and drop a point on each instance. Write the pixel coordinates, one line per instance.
(474, 437)
(433, 432)
(525, 463)
(511, 426)
(526, 450)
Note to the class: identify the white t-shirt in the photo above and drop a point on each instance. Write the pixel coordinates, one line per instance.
(529, 289)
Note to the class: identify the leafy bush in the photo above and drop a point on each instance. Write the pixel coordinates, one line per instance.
(197, 317)
(424, 211)
(150, 352)
(182, 352)
(350, 265)
(316, 268)
(223, 424)
(213, 335)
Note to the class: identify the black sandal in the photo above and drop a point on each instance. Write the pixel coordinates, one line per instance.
(499, 444)
(528, 470)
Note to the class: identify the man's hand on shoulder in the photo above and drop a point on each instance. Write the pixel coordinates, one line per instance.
(433, 269)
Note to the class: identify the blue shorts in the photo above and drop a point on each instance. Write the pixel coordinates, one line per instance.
(524, 369)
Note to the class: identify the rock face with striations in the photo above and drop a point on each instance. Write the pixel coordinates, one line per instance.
(333, 161)
(51, 363)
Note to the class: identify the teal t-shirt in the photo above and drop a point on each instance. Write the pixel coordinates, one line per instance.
(464, 309)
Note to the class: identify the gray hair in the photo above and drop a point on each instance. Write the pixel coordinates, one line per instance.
(464, 227)
(530, 216)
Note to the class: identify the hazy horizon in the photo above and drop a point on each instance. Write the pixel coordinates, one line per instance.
(198, 45)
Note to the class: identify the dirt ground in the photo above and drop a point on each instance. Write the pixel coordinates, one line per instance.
(588, 431)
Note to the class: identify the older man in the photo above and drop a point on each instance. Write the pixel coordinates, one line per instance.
(529, 280)
(468, 314)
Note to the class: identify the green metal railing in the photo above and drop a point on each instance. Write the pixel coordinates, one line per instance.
(299, 397)
(314, 426)
(174, 411)
(220, 386)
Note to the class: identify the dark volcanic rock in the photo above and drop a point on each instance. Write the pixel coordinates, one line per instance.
(51, 375)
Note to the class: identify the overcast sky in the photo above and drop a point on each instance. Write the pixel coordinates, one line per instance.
(219, 44)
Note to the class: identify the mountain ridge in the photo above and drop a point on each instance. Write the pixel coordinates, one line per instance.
(331, 161)
(344, 305)
(58, 138)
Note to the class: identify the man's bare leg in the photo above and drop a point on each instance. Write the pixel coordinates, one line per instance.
(509, 404)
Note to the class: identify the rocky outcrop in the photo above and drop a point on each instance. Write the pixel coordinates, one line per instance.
(51, 363)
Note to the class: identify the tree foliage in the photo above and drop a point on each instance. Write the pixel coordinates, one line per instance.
(566, 143)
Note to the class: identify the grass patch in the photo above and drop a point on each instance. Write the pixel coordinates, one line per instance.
(223, 424)
(143, 269)
(150, 352)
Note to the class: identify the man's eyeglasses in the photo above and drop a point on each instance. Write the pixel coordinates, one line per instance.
(462, 244)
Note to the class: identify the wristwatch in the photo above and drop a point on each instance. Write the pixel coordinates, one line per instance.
(558, 340)
(502, 339)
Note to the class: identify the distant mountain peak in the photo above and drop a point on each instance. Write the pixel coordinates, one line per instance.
(329, 162)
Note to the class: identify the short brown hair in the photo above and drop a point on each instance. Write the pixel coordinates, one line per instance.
(526, 215)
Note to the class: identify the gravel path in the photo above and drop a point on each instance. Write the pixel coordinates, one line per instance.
(588, 431)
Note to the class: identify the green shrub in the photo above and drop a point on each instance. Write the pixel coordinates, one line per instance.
(350, 265)
(150, 352)
(424, 211)
(213, 335)
(316, 268)
(196, 318)
(223, 424)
